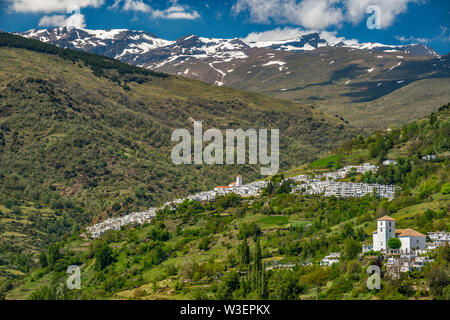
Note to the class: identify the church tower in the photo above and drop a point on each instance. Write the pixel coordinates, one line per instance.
(385, 231)
(238, 181)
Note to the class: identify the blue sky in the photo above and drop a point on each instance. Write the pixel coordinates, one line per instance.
(401, 21)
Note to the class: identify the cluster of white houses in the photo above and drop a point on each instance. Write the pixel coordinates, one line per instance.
(325, 184)
(320, 184)
(339, 174)
(348, 189)
(438, 239)
(245, 190)
(237, 187)
(98, 229)
(404, 263)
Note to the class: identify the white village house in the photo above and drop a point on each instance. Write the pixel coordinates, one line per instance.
(411, 239)
(331, 259)
(389, 162)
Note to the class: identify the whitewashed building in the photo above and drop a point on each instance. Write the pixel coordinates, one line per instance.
(429, 157)
(411, 239)
(439, 238)
(330, 259)
(389, 162)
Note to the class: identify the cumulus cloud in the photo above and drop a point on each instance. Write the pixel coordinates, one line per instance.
(356, 10)
(136, 5)
(412, 39)
(291, 33)
(307, 13)
(76, 20)
(174, 11)
(442, 37)
(48, 6)
(277, 34)
(320, 14)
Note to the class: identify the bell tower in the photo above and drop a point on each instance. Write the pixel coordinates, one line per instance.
(385, 231)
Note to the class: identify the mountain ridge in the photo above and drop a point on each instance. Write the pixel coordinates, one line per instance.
(147, 50)
(308, 41)
(342, 79)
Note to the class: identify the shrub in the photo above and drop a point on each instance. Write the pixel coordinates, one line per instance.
(445, 189)
(103, 257)
(394, 243)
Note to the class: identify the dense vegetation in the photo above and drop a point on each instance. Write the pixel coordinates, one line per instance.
(231, 248)
(84, 137)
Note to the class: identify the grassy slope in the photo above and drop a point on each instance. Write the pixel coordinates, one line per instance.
(73, 144)
(152, 109)
(160, 282)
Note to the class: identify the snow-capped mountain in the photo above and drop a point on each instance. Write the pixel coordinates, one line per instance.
(114, 43)
(315, 40)
(126, 44)
(209, 59)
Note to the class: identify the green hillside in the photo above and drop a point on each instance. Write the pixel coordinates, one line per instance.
(220, 250)
(84, 137)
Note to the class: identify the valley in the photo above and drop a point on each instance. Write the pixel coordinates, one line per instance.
(273, 246)
(84, 138)
(359, 82)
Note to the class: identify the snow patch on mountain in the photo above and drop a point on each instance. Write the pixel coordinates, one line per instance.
(270, 63)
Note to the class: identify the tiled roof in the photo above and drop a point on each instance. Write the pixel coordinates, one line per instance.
(386, 218)
(408, 233)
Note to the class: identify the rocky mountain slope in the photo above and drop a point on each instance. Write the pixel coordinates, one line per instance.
(357, 81)
(147, 50)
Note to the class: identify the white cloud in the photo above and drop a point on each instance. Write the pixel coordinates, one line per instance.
(310, 14)
(174, 11)
(332, 38)
(442, 37)
(48, 6)
(412, 39)
(291, 33)
(76, 20)
(356, 10)
(320, 14)
(136, 5)
(277, 34)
